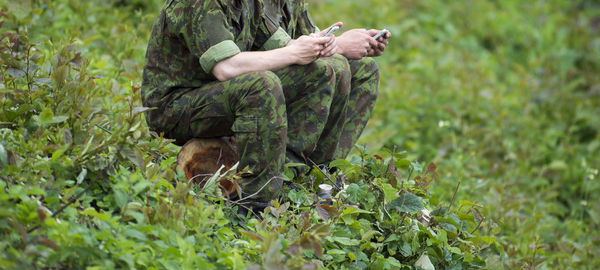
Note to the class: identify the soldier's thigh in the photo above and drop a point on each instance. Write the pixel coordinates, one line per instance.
(211, 109)
(299, 81)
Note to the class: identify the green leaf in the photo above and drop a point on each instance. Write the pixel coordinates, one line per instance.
(138, 110)
(345, 241)
(16, 73)
(60, 75)
(81, 175)
(558, 165)
(405, 249)
(389, 192)
(3, 155)
(424, 263)
(58, 119)
(46, 116)
(134, 155)
(298, 197)
(354, 192)
(340, 163)
(20, 9)
(407, 202)
(120, 198)
(139, 187)
(336, 252)
(393, 262)
(363, 150)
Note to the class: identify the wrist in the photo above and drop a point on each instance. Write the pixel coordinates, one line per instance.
(341, 42)
(289, 53)
(340, 50)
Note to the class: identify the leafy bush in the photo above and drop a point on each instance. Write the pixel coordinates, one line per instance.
(501, 96)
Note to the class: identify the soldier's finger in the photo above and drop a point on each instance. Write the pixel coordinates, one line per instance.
(327, 51)
(372, 42)
(323, 40)
(332, 41)
(317, 48)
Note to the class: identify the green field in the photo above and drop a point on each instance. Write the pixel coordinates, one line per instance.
(502, 96)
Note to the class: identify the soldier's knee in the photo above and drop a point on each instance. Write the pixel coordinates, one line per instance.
(323, 68)
(264, 80)
(267, 84)
(370, 66)
(365, 67)
(323, 71)
(340, 64)
(343, 74)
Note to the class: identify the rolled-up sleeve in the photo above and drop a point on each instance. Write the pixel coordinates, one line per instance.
(217, 53)
(209, 37)
(278, 40)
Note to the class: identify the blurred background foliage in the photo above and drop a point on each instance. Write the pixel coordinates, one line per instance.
(504, 96)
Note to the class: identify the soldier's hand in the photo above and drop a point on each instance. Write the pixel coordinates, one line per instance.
(331, 47)
(356, 43)
(381, 43)
(307, 49)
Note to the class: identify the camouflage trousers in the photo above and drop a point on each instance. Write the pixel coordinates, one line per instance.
(313, 111)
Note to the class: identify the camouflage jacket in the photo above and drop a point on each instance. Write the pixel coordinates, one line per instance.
(190, 36)
(292, 15)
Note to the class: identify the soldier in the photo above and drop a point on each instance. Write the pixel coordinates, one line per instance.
(357, 47)
(221, 68)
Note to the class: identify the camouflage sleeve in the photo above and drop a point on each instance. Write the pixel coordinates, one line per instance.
(304, 24)
(272, 36)
(210, 38)
(279, 39)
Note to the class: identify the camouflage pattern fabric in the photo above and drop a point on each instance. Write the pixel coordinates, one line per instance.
(256, 108)
(363, 94)
(291, 114)
(188, 38)
(252, 107)
(264, 111)
(315, 109)
(328, 141)
(293, 16)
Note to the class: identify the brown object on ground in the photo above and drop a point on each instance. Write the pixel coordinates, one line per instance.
(199, 159)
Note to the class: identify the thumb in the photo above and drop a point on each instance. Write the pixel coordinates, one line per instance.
(372, 32)
(338, 24)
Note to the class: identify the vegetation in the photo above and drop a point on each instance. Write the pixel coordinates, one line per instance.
(482, 151)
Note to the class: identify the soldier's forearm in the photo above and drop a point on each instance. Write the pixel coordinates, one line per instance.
(246, 62)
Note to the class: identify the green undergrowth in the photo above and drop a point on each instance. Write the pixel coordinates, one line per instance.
(86, 185)
(502, 97)
(505, 97)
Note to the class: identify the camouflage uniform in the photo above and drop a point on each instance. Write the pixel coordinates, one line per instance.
(189, 37)
(293, 16)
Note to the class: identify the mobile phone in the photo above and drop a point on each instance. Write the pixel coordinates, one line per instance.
(381, 33)
(331, 30)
